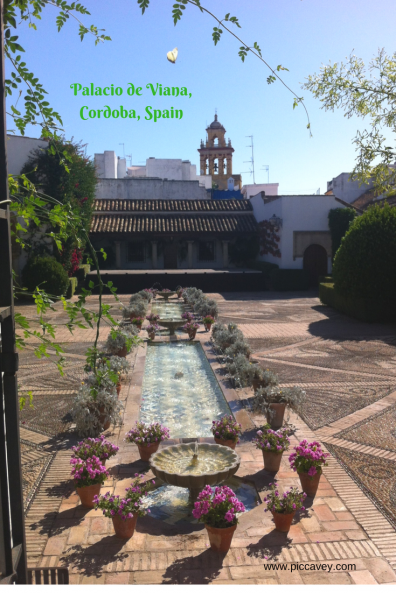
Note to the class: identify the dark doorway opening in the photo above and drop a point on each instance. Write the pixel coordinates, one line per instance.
(315, 262)
(170, 256)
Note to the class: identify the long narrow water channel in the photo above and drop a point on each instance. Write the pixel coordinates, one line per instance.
(180, 390)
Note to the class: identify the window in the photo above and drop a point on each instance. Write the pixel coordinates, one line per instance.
(206, 251)
(136, 252)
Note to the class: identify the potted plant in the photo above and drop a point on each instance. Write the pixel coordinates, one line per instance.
(125, 510)
(188, 316)
(208, 321)
(147, 437)
(264, 378)
(218, 511)
(191, 328)
(238, 347)
(152, 329)
(88, 475)
(284, 506)
(96, 405)
(99, 447)
(273, 400)
(308, 460)
(226, 431)
(120, 341)
(137, 322)
(152, 318)
(204, 306)
(273, 444)
(145, 294)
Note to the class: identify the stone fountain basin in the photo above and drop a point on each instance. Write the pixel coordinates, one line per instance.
(166, 295)
(161, 465)
(171, 324)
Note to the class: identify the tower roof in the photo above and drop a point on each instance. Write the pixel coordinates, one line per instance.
(215, 125)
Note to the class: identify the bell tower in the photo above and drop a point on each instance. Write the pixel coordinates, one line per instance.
(216, 155)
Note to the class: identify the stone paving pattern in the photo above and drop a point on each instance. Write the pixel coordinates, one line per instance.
(348, 369)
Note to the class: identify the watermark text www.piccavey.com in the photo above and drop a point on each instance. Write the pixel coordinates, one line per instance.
(310, 566)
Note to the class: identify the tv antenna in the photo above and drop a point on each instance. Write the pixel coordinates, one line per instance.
(123, 147)
(252, 159)
(266, 168)
(129, 156)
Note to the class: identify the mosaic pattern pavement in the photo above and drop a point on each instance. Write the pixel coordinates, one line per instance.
(35, 462)
(171, 504)
(377, 431)
(377, 477)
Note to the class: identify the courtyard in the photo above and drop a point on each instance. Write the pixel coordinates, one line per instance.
(348, 370)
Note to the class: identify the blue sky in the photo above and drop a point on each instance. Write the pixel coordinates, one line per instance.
(299, 34)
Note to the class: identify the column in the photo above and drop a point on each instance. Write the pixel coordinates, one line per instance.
(190, 254)
(211, 165)
(118, 254)
(154, 254)
(225, 254)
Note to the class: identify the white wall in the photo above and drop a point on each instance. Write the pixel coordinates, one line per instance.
(347, 190)
(149, 188)
(205, 180)
(270, 189)
(135, 171)
(298, 213)
(19, 148)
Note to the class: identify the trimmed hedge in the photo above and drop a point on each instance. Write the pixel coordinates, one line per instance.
(263, 266)
(284, 280)
(371, 310)
(72, 287)
(48, 273)
(365, 264)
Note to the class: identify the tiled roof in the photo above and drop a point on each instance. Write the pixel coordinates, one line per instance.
(230, 223)
(232, 205)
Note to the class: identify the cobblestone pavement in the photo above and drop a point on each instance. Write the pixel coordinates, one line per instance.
(350, 520)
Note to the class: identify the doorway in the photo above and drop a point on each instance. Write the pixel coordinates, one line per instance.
(170, 256)
(315, 262)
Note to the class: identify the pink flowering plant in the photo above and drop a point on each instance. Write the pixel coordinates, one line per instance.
(99, 447)
(191, 326)
(290, 501)
(126, 506)
(152, 318)
(153, 328)
(86, 472)
(274, 441)
(165, 290)
(218, 508)
(209, 320)
(147, 434)
(137, 321)
(188, 316)
(308, 458)
(226, 429)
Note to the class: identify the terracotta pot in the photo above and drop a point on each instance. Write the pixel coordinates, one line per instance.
(192, 334)
(102, 419)
(283, 521)
(87, 493)
(310, 484)
(277, 420)
(146, 451)
(226, 443)
(124, 529)
(151, 336)
(118, 387)
(220, 538)
(208, 326)
(122, 353)
(272, 460)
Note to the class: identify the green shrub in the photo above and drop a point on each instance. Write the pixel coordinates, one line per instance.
(264, 266)
(339, 221)
(289, 280)
(47, 273)
(371, 310)
(365, 264)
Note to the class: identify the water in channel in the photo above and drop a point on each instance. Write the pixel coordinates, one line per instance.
(180, 390)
